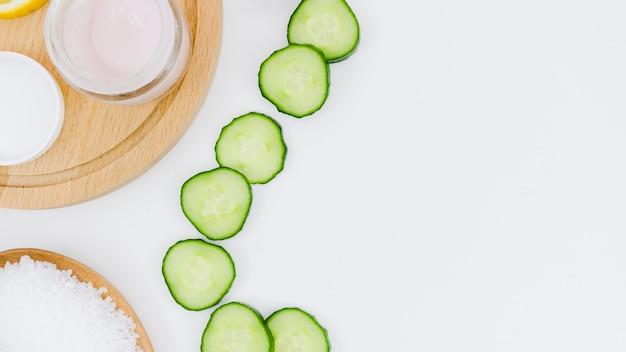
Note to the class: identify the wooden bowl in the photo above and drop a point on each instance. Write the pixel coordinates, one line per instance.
(84, 274)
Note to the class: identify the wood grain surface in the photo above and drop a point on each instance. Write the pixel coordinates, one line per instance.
(101, 147)
(85, 274)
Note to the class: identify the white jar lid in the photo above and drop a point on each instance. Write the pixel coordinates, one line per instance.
(31, 109)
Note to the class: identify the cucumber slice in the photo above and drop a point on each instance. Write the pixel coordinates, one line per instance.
(329, 25)
(294, 329)
(198, 274)
(217, 202)
(252, 144)
(295, 79)
(236, 327)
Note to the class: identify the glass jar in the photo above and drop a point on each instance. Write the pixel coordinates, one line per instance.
(123, 52)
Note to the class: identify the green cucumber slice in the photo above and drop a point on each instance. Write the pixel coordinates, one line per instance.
(217, 202)
(294, 329)
(236, 327)
(252, 144)
(329, 25)
(295, 79)
(198, 274)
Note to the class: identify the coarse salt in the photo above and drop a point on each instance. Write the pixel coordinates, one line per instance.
(46, 309)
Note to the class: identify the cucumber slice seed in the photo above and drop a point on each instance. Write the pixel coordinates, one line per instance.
(295, 79)
(329, 25)
(252, 144)
(217, 202)
(198, 274)
(293, 329)
(236, 327)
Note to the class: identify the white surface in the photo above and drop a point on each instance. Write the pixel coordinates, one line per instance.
(31, 109)
(461, 190)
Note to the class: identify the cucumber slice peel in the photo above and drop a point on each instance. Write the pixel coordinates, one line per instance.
(198, 274)
(217, 202)
(252, 144)
(294, 329)
(329, 25)
(295, 79)
(236, 327)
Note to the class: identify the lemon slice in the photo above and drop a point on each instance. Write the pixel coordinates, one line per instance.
(18, 8)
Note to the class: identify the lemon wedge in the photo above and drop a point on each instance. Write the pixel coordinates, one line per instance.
(17, 8)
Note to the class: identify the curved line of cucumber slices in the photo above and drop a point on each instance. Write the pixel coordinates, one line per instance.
(251, 150)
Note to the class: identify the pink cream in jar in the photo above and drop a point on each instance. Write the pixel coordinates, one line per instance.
(124, 52)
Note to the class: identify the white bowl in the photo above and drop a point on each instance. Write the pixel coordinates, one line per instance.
(31, 109)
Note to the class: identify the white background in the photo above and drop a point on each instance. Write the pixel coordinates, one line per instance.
(462, 189)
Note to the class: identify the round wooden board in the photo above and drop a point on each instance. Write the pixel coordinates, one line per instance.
(102, 147)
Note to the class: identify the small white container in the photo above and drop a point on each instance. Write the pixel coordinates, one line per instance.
(31, 109)
(118, 51)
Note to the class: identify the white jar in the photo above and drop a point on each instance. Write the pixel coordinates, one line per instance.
(124, 52)
(32, 111)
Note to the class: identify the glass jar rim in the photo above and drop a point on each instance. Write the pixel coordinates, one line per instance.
(156, 69)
